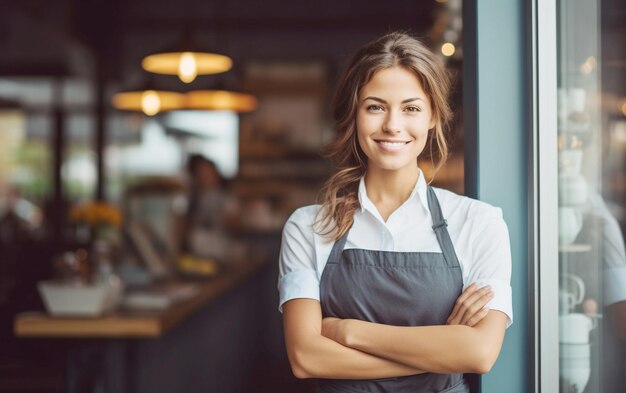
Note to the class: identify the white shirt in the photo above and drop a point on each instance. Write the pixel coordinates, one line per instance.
(477, 229)
(612, 251)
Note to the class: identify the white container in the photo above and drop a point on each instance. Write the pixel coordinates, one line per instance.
(574, 328)
(570, 224)
(570, 161)
(576, 99)
(573, 190)
(79, 300)
(577, 377)
(575, 351)
(575, 364)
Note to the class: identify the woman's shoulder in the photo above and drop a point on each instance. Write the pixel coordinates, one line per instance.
(468, 208)
(304, 216)
(300, 226)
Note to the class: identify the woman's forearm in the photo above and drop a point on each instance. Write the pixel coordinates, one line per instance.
(312, 355)
(325, 358)
(439, 349)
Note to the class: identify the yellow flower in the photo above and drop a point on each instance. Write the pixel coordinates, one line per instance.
(96, 214)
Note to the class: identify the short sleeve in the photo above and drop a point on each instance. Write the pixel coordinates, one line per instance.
(297, 277)
(491, 260)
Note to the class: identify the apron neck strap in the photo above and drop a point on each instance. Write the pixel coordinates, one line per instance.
(440, 226)
(335, 253)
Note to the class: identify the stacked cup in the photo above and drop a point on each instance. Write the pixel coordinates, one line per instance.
(575, 350)
(574, 329)
(573, 192)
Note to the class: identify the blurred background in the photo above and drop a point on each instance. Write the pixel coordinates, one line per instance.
(150, 153)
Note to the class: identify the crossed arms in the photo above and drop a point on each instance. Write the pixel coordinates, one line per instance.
(351, 349)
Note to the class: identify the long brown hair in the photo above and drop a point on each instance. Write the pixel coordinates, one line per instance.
(339, 197)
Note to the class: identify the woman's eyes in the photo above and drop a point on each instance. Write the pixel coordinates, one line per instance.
(374, 108)
(410, 108)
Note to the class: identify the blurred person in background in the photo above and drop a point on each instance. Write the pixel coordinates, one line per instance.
(211, 212)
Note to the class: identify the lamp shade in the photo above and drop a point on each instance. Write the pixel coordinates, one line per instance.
(220, 100)
(149, 102)
(186, 64)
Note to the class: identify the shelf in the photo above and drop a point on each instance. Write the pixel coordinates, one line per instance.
(575, 247)
(284, 170)
(265, 151)
(282, 188)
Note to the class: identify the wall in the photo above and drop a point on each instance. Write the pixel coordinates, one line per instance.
(496, 85)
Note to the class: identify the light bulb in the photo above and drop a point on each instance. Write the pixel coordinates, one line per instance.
(150, 102)
(187, 68)
(448, 49)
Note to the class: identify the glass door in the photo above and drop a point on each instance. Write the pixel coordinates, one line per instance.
(591, 202)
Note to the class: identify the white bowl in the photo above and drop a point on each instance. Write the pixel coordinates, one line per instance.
(574, 351)
(575, 363)
(576, 376)
(80, 300)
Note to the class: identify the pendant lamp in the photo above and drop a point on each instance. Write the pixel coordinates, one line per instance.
(223, 94)
(220, 100)
(186, 59)
(148, 99)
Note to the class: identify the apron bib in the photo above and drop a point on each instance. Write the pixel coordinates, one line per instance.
(394, 288)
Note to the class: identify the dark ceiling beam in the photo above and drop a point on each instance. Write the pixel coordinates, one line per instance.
(35, 70)
(276, 24)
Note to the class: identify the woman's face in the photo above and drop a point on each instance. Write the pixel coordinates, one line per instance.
(393, 119)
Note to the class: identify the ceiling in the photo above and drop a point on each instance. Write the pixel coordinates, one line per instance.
(71, 37)
(61, 37)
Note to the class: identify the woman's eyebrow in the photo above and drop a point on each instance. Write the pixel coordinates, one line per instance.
(384, 102)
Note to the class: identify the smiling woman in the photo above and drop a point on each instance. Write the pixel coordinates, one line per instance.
(392, 129)
(391, 285)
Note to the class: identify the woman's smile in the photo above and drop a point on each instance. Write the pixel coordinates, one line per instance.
(392, 146)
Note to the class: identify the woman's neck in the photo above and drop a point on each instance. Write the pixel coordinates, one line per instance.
(388, 190)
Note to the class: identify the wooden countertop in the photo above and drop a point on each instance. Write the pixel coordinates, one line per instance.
(128, 324)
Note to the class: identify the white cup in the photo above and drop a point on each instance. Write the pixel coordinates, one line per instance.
(570, 161)
(576, 376)
(570, 224)
(573, 190)
(574, 351)
(576, 99)
(574, 328)
(575, 364)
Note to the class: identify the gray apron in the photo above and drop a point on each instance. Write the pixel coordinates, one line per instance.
(394, 288)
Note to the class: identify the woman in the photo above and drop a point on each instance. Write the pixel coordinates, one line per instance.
(211, 211)
(371, 282)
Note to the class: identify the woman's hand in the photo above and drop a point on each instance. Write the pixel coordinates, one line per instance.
(469, 308)
(332, 328)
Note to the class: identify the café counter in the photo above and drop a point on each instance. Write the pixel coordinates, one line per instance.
(134, 324)
(211, 341)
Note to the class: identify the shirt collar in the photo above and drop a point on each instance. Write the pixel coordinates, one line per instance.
(419, 191)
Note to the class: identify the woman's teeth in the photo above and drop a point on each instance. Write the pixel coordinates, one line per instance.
(392, 144)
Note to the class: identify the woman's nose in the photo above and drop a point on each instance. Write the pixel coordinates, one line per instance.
(391, 124)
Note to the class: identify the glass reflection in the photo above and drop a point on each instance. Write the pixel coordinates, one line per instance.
(592, 195)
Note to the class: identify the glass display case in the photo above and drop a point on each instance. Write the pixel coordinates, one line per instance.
(591, 148)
